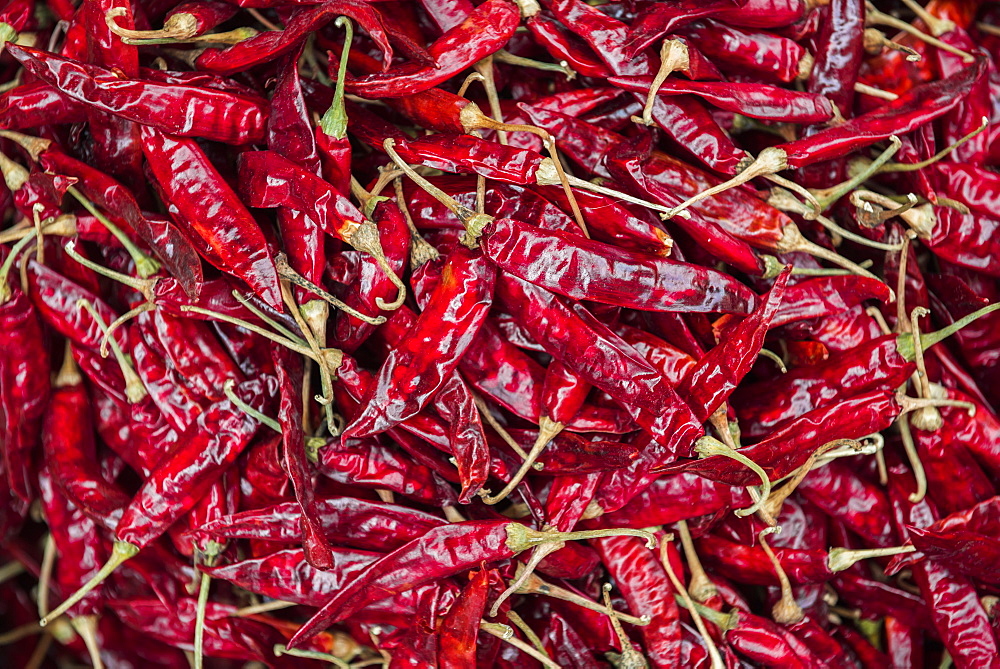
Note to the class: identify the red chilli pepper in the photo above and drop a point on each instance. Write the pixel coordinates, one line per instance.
(431, 350)
(209, 213)
(483, 32)
(24, 385)
(187, 111)
(589, 270)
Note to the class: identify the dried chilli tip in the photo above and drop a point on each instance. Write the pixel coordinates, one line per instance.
(840, 559)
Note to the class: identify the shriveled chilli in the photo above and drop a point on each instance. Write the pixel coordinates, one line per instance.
(443, 333)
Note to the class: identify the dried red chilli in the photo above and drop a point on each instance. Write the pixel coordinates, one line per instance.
(351, 521)
(200, 458)
(659, 20)
(631, 388)
(753, 100)
(289, 134)
(194, 191)
(269, 180)
(480, 34)
(952, 593)
(462, 545)
(295, 459)
(767, 55)
(24, 381)
(25, 105)
(431, 349)
(70, 451)
(220, 116)
(456, 406)
(274, 43)
(905, 114)
(76, 539)
(587, 270)
(121, 206)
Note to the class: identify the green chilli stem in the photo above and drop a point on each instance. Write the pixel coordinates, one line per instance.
(227, 388)
(905, 345)
(15, 251)
(708, 446)
(280, 649)
(121, 552)
(828, 196)
(507, 634)
(144, 286)
(145, 266)
(334, 121)
(199, 622)
(135, 390)
(840, 559)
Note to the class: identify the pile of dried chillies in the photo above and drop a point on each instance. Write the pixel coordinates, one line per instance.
(539, 333)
